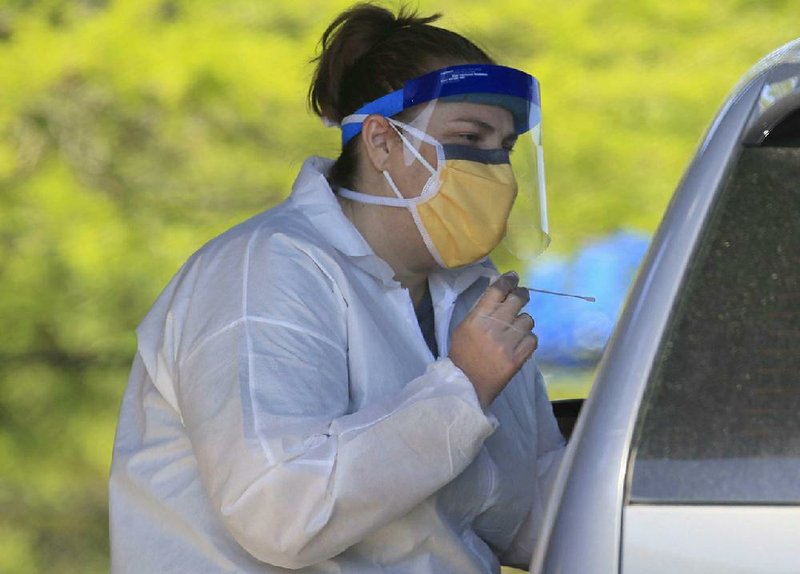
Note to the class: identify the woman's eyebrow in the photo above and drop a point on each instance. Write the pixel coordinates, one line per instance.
(484, 126)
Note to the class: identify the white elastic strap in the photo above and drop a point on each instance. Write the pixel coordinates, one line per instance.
(428, 190)
(410, 147)
(426, 238)
(398, 201)
(419, 134)
(393, 185)
(416, 132)
(374, 199)
(359, 118)
(354, 119)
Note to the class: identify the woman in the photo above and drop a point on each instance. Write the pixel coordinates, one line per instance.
(332, 385)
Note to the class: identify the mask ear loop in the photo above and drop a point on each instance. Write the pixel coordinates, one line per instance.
(418, 134)
(429, 186)
(392, 184)
(432, 184)
(389, 179)
(433, 180)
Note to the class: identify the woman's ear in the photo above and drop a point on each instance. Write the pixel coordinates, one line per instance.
(378, 138)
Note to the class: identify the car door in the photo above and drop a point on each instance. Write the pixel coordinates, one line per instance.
(686, 457)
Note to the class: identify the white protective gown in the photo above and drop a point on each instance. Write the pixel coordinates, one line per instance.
(284, 412)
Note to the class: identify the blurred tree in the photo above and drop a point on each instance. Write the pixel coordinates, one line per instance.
(133, 131)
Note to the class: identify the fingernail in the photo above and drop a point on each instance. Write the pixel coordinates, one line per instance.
(512, 274)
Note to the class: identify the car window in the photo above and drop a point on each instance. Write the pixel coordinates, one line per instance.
(721, 417)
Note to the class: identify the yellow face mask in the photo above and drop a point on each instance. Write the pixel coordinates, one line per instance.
(463, 209)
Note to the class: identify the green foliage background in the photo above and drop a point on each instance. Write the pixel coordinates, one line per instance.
(132, 131)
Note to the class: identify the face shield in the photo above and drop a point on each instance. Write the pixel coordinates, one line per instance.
(474, 173)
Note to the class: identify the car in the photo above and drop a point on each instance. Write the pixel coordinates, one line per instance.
(686, 454)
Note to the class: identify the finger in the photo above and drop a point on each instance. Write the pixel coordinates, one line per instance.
(515, 331)
(497, 292)
(523, 322)
(513, 304)
(525, 348)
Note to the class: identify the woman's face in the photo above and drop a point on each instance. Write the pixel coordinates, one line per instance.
(391, 231)
(461, 123)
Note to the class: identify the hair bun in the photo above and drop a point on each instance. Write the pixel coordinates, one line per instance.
(354, 34)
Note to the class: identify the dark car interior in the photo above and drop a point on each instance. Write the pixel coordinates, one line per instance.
(720, 421)
(786, 133)
(566, 412)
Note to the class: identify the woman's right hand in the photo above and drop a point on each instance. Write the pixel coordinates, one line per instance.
(495, 339)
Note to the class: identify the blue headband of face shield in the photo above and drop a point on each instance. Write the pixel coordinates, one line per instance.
(509, 88)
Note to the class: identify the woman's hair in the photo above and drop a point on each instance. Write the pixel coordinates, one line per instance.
(367, 52)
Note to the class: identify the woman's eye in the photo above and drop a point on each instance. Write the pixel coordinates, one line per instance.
(469, 138)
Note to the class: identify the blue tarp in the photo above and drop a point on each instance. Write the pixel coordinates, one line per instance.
(571, 331)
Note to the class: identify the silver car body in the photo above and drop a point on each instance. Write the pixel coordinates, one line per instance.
(590, 527)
